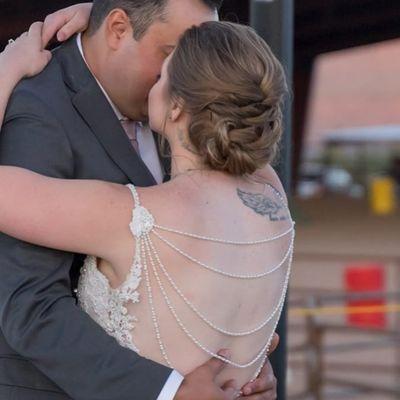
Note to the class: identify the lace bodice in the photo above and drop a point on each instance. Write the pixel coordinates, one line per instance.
(109, 307)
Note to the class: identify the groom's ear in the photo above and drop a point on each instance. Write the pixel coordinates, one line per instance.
(118, 26)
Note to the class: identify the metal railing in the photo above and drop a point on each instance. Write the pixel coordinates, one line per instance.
(309, 306)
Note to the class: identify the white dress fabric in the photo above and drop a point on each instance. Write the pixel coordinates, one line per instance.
(112, 308)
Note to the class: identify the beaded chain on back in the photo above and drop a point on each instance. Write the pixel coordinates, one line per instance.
(143, 225)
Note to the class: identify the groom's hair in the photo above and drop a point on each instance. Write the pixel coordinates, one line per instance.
(142, 13)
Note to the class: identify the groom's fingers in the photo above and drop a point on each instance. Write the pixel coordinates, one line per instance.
(266, 381)
(231, 394)
(265, 384)
(230, 389)
(274, 343)
(215, 365)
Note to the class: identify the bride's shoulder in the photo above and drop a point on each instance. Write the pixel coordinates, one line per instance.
(268, 175)
(152, 193)
(169, 198)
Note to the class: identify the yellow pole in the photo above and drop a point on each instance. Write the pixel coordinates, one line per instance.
(382, 195)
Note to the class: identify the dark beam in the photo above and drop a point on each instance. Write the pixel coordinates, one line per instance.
(301, 89)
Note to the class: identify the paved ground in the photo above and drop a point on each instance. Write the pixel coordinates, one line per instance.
(331, 234)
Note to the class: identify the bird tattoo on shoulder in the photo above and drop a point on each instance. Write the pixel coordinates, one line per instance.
(263, 205)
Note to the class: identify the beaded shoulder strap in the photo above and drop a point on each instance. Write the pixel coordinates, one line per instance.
(142, 221)
(134, 195)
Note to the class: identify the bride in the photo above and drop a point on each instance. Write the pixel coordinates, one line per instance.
(179, 270)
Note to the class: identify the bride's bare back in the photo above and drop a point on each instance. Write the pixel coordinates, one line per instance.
(206, 295)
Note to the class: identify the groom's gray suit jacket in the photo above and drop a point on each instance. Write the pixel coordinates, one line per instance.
(60, 124)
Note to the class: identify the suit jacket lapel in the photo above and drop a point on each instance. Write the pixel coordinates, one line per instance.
(94, 108)
(97, 112)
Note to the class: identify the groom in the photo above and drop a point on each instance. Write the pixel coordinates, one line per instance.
(81, 118)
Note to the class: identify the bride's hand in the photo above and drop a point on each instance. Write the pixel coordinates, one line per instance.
(25, 56)
(66, 22)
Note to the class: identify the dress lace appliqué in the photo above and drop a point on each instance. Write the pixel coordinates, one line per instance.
(108, 306)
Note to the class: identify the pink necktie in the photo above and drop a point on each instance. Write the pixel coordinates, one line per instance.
(130, 129)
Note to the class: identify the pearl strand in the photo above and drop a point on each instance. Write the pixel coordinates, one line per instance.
(152, 308)
(219, 271)
(186, 331)
(208, 322)
(223, 241)
(276, 324)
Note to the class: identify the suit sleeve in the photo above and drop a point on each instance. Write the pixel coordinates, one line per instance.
(38, 314)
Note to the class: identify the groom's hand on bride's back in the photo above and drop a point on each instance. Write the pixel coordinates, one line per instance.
(265, 386)
(200, 384)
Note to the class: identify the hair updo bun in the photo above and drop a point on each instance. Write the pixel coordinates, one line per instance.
(233, 87)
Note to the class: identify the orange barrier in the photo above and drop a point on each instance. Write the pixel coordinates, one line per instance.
(305, 312)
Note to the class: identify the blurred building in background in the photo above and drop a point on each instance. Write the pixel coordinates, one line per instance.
(352, 129)
(344, 331)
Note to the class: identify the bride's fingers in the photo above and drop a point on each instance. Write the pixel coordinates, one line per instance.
(21, 36)
(52, 24)
(77, 24)
(35, 30)
(66, 22)
(35, 35)
(48, 55)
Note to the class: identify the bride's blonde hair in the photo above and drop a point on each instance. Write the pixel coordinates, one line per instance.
(233, 87)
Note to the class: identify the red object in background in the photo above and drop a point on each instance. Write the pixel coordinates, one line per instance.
(366, 278)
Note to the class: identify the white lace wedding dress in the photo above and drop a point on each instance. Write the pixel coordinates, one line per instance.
(113, 309)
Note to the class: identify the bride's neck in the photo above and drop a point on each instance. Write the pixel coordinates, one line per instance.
(184, 157)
